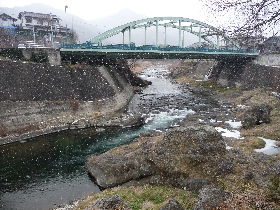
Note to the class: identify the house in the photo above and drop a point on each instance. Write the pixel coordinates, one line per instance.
(271, 44)
(7, 31)
(38, 21)
(7, 24)
(7, 20)
(249, 42)
(42, 28)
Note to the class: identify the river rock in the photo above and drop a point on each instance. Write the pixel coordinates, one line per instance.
(181, 154)
(172, 205)
(133, 121)
(256, 115)
(195, 184)
(114, 202)
(209, 198)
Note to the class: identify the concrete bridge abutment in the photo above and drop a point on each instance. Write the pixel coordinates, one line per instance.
(246, 74)
(40, 55)
(51, 55)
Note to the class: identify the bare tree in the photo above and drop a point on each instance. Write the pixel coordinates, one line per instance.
(73, 36)
(250, 17)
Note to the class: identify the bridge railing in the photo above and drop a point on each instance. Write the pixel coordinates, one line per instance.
(132, 46)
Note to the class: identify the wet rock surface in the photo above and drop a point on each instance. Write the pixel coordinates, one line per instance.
(171, 156)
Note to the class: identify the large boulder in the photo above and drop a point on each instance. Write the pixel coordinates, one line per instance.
(256, 115)
(181, 154)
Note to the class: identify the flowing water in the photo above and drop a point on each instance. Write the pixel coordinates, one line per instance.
(49, 171)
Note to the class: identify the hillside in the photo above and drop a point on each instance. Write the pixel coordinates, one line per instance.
(87, 29)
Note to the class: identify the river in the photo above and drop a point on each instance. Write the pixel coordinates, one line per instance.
(49, 171)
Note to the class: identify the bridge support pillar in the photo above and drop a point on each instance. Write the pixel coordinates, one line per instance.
(156, 32)
(218, 44)
(180, 30)
(165, 35)
(123, 37)
(183, 41)
(129, 34)
(145, 35)
(199, 36)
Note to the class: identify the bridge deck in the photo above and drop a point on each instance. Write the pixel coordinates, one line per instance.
(155, 54)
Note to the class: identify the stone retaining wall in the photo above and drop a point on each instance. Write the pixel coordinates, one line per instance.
(268, 60)
(52, 54)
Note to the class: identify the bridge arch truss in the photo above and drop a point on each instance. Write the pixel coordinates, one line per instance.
(213, 36)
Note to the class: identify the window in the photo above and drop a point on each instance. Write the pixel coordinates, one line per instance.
(40, 22)
(28, 19)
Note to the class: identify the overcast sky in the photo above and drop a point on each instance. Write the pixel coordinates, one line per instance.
(90, 10)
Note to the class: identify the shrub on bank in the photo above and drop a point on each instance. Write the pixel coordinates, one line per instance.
(41, 57)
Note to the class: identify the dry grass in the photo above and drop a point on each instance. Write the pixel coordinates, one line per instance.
(247, 201)
(4, 131)
(249, 143)
(267, 130)
(140, 65)
(75, 104)
(145, 197)
(4, 58)
(95, 115)
(137, 66)
(257, 97)
(185, 80)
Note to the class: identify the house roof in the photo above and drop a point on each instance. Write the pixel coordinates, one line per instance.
(4, 16)
(36, 15)
(8, 27)
(273, 39)
(32, 14)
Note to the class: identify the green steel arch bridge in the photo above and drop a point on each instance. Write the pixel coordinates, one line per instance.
(219, 45)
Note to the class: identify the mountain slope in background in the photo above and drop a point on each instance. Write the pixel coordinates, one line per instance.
(89, 29)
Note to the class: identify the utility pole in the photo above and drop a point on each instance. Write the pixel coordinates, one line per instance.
(51, 30)
(34, 39)
(66, 25)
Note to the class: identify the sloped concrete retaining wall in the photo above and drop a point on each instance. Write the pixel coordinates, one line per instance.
(50, 98)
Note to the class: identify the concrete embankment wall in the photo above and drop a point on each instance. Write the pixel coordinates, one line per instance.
(247, 75)
(264, 72)
(38, 96)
